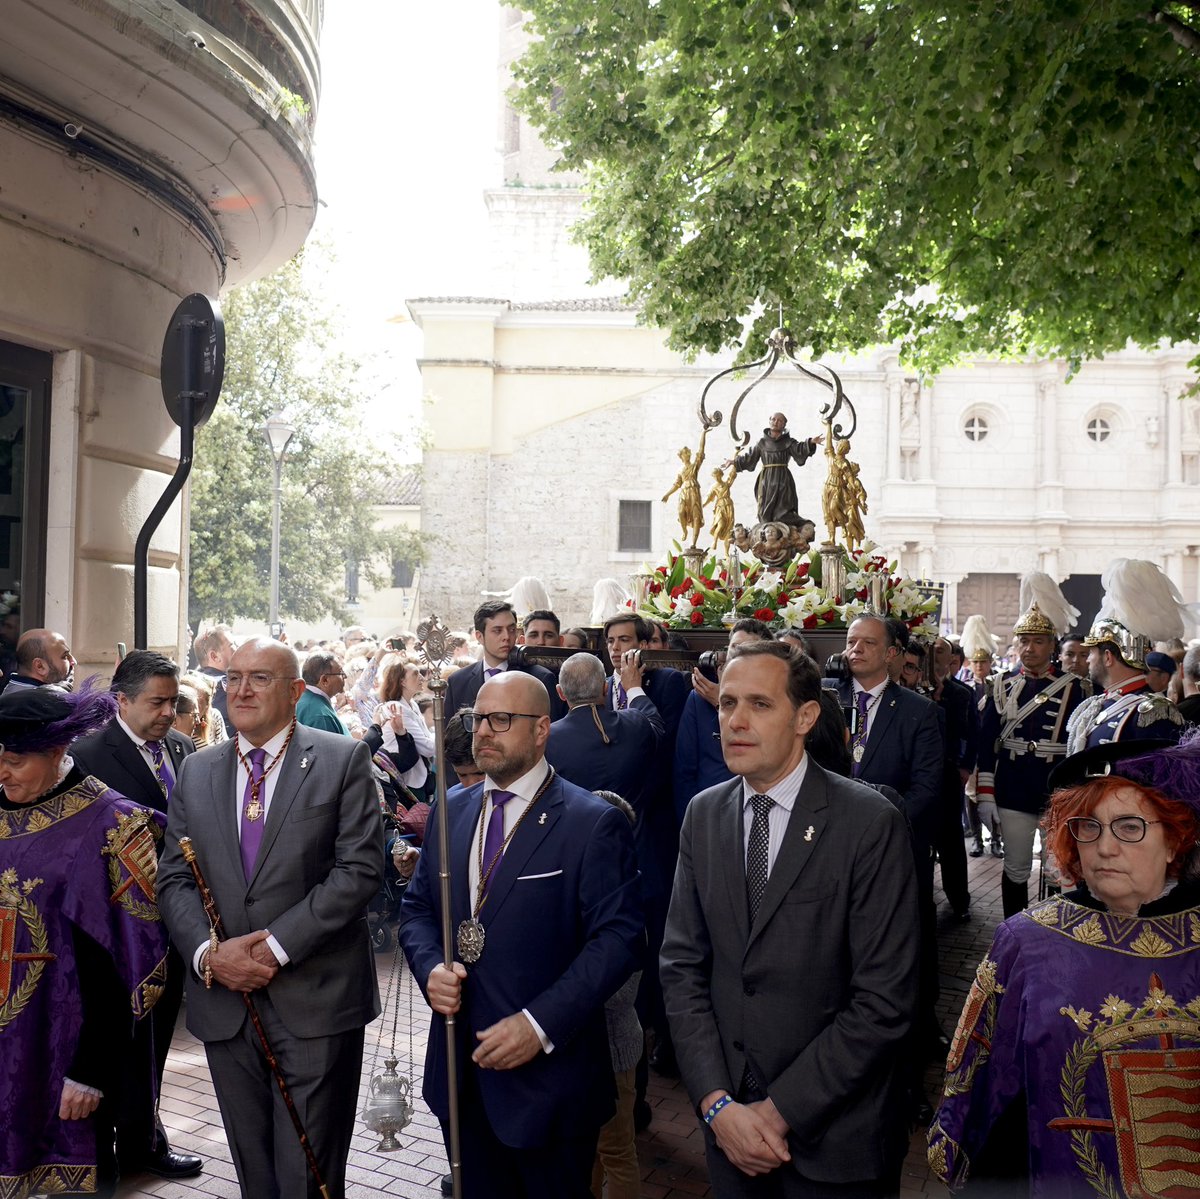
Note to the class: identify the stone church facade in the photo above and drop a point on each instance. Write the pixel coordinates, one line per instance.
(556, 418)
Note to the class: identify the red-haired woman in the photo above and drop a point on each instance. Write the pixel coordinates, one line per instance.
(1075, 1069)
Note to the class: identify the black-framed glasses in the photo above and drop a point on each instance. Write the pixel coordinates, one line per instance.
(1130, 829)
(501, 722)
(258, 680)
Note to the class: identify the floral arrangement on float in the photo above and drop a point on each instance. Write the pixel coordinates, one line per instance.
(791, 595)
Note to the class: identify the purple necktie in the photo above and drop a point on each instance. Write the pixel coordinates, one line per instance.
(495, 837)
(863, 700)
(492, 671)
(165, 781)
(252, 830)
(622, 697)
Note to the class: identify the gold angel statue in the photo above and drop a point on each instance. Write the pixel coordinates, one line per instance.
(722, 510)
(843, 498)
(687, 483)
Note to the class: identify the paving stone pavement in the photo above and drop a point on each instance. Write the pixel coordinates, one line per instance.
(671, 1150)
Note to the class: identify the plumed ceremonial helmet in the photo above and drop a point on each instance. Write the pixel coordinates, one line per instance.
(1035, 621)
(1132, 647)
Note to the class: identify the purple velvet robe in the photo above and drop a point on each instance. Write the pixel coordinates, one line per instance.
(1095, 1018)
(83, 858)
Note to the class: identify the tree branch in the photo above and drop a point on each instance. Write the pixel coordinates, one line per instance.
(1185, 35)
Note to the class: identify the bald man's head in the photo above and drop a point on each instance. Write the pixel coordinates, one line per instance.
(44, 655)
(515, 741)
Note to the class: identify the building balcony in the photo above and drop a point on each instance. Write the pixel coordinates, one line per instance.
(208, 105)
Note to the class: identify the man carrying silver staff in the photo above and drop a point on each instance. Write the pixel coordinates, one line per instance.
(544, 902)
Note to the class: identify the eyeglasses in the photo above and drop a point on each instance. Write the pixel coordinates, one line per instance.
(258, 680)
(1130, 829)
(334, 674)
(501, 722)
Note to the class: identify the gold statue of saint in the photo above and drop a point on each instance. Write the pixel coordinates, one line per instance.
(687, 483)
(722, 510)
(843, 498)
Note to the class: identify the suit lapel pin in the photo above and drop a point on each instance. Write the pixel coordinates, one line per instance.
(892, 704)
(304, 763)
(808, 833)
(542, 818)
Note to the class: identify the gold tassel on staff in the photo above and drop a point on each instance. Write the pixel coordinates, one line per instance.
(214, 924)
(431, 640)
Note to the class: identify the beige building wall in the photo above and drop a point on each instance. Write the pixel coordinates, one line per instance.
(145, 154)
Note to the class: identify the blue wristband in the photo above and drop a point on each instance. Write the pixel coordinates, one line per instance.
(710, 1115)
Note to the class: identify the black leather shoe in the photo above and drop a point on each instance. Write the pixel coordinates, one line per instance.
(922, 1113)
(643, 1114)
(447, 1184)
(977, 852)
(170, 1164)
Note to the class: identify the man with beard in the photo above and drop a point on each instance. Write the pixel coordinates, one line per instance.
(43, 660)
(544, 898)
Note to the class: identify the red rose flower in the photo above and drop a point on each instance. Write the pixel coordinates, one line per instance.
(629, 603)
(765, 614)
(810, 621)
(661, 570)
(710, 583)
(782, 601)
(862, 593)
(802, 570)
(697, 617)
(655, 588)
(697, 599)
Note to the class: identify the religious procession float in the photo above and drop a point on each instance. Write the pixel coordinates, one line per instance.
(770, 569)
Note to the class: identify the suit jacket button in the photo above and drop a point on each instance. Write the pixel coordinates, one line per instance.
(738, 1046)
(747, 989)
(249, 901)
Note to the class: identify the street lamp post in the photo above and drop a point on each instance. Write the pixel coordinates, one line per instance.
(278, 434)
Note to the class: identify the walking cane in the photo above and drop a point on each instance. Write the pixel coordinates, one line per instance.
(214, 921)
(431, 639)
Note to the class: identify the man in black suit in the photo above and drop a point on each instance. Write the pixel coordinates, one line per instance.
(138, 754)
(896, 740)
(960, 722)
(789, 965)
(668, 690)
(496, 632)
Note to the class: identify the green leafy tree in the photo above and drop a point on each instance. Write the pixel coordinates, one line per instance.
(1019, 178)
(282, 355)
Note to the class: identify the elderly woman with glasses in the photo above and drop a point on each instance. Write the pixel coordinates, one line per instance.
(1075, 1069)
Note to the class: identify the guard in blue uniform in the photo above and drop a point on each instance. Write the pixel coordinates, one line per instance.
(1125, 707)
(1022, 736)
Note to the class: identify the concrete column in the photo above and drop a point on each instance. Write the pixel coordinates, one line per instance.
(1048, 461)
(894, 384)
(925, 452)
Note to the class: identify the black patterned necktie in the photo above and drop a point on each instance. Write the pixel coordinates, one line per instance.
(757, 852)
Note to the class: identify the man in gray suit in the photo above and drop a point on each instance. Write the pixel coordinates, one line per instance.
(789, 965)
(285, 825)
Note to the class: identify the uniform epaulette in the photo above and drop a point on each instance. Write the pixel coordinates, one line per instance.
(1156, 707)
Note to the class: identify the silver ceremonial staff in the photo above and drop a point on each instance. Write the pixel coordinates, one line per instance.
(431, 641)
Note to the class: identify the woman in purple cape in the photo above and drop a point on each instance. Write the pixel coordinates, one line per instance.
(82, 950)
(1075, 1069)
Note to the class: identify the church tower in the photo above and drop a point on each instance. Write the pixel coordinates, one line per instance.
(530, 215)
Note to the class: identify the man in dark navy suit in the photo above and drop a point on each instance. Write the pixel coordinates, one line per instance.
(602, 749)
(545, 901)
(138, 754)
(496, 632)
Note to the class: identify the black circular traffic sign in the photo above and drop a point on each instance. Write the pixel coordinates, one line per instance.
(193, 358)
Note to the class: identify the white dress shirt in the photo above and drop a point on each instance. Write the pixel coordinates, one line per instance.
(147, 757)
(784, 794)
